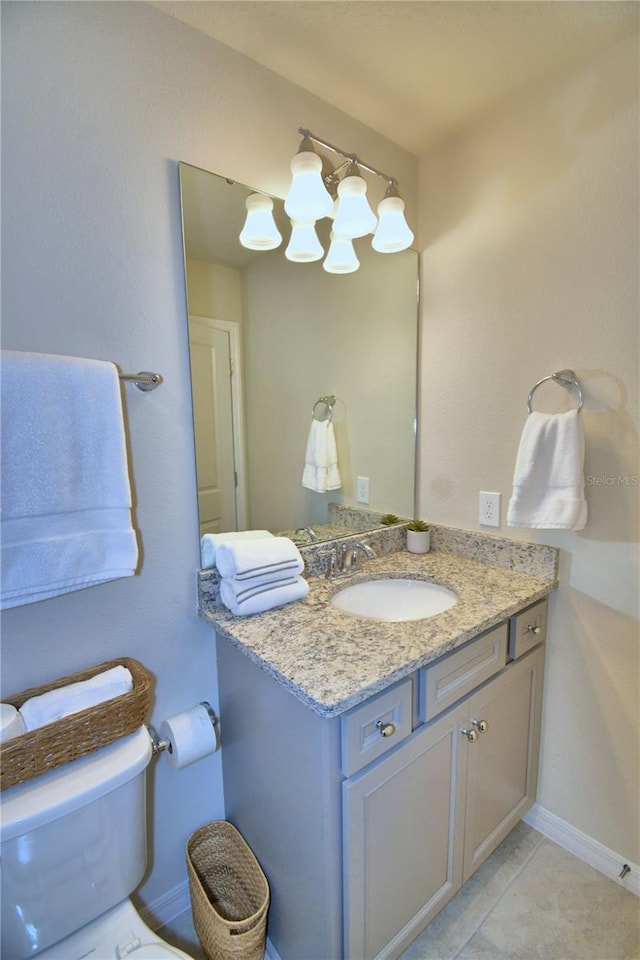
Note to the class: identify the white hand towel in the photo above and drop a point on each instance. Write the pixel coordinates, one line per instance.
(66, 508)
(243, 600)
(210, 541)
(548, 482)
(247, 559)
(56, 704)
(321, 472)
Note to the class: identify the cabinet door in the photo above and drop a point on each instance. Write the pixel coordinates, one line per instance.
(503, 761)
(402, 842)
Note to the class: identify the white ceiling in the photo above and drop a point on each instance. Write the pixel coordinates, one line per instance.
(413, 70)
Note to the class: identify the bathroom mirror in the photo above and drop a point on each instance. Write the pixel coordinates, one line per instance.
(268, 338)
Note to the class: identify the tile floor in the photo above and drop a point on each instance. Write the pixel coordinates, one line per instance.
(531, 900)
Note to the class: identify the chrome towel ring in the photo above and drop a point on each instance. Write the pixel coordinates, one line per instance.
(328, 401)
(566, 378)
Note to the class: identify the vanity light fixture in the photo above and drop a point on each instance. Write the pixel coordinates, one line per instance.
(260, 231)
(354, 216)
(308, 197)
(316, 182)
(303, 246)
(393, 232)
(320, 190)
(341, 257)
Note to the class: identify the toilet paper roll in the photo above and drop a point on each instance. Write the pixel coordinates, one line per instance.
(190, 736)
(11, 723)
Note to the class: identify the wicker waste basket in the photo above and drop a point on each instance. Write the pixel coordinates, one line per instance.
(229, 893)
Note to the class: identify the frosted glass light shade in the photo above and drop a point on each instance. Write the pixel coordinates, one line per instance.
(303, 246)
(341, 257)
(393, 232)
(354, 218)
(308, 198)
(260, 231)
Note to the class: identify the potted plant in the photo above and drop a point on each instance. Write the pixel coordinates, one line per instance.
(387, 519)
(418, 536)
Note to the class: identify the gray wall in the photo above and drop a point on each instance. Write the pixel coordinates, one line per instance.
(100, 102)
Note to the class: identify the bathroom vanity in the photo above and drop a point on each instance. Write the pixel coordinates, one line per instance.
(373, 766)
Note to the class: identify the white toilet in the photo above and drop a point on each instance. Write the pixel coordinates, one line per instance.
(73, 849)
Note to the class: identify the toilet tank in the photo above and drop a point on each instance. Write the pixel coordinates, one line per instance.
(73, 844)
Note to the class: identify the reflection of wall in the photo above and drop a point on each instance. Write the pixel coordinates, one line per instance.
(307, 334)
(531, 264)
(214, 290)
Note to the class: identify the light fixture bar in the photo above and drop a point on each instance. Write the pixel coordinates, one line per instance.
(350, 157)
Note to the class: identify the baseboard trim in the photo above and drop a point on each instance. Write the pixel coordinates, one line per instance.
(272, 953)
(170, 905)
(167, 907)
(584, 847)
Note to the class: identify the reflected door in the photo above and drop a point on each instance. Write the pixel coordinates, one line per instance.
(211, 373)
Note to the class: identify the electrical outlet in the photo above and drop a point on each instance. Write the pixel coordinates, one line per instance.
(362, 489)
(489, 509)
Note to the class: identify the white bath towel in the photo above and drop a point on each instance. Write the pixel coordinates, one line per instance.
(321, 472)
(66, 499)
(62, 702)
(244, 598)
(548, 482)
(210, 541)
(275, 557)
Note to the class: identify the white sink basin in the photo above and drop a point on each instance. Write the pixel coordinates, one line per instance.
(394, 599)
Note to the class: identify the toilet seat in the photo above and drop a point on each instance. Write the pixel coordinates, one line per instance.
(119, 934)
(147, 951)
(156, 951)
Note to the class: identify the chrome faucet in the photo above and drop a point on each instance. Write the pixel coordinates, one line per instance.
(311, 534)
(357, 549)
(343, 559)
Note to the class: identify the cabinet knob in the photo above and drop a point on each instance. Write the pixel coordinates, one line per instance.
(471, 735)
(386, 729)
(481, 725)
(534, 628)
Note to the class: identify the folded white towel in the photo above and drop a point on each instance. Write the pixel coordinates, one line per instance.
(243, 599)
(321, 472)
(548, 482)
(66, 508)
(247, 559)
(210, 541)
(56, 704)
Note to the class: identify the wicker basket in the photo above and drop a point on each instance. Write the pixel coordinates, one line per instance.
(48, 747)
(229, 893)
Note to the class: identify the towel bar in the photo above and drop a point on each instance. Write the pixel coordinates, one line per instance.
(566, 378)
(143, 380)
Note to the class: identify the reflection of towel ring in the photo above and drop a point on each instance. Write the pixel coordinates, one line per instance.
(328, 401)
(566, 378)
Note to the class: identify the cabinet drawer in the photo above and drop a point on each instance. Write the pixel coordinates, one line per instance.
(527, 629)
(375, 726)
(454, 676)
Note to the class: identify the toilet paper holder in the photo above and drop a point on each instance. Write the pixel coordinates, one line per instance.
(158, 745)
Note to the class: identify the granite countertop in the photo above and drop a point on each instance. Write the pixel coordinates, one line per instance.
(332, 661)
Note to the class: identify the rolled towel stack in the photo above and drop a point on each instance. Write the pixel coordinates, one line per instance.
(55, 704)
(11, 723)
(257, 575)
(209, 543)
